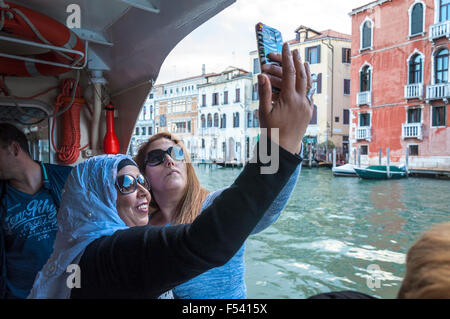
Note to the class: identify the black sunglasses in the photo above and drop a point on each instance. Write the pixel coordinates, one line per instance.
(128, 184)
(157, 157)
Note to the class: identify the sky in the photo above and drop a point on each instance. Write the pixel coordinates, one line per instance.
(227, 38)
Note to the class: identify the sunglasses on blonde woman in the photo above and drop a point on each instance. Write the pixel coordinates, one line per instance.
(156, 157)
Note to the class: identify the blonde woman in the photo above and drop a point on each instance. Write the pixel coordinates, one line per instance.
(178, 197)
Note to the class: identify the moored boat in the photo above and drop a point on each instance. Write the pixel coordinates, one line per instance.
(346, 170)
(381, 172)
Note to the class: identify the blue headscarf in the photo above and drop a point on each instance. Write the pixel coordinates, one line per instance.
(88, 211)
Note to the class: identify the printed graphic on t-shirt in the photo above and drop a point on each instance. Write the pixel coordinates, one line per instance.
(37, 220)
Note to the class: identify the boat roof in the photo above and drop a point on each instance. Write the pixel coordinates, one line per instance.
(129, 41)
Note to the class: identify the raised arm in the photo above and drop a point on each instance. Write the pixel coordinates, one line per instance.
(147, 261)
(153, 259)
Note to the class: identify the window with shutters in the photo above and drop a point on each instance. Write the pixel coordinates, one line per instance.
(209, 120)
(318, 84)
(438, 116)
(365, 78)
(441, 66)
(417, 19)
(346, 86)
(203, 100)
(203, 121)
(216, 120)
(366, 35)
(364, 150)
(223, 121)
(364, 119)
(415, 69)
(215, 98)
(413, 150)
(313, 54)
(444, 10)
(414, 115)
(346, 55)
(225, 97)
(346, 117)
(236, 119)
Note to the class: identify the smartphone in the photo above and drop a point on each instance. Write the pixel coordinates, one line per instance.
(268, 40)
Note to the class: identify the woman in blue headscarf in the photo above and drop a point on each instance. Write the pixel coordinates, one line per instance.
(103, 236)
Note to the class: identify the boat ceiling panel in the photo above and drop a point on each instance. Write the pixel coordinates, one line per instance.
(140, 36)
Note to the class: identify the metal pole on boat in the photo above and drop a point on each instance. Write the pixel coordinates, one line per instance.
(379, 156)
(354, 156)
(334, 157)
(388, 162)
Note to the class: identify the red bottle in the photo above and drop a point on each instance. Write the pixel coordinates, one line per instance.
(110, 142)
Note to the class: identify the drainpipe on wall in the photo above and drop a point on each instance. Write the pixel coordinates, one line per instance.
(331, 47)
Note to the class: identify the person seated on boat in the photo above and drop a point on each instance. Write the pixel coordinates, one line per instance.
(178, 198)
(428, 266)
(103, 228)
(30, 193)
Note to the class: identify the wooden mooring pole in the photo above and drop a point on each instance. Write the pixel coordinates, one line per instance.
(388, 163)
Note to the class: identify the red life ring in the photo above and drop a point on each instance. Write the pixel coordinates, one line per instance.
(51, 30)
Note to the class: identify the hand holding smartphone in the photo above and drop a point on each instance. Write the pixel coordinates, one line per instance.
(269, 40)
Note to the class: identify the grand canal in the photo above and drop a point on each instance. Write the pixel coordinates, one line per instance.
(338, 233)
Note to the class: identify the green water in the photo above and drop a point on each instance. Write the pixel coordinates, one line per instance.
(333, 229)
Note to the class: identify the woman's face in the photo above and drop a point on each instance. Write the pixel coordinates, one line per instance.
(133, 207)
(169, 175)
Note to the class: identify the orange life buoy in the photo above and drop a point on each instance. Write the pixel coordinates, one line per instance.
(19, 21)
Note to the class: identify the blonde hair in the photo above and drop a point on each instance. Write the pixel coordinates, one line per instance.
(428, 266)
(194, 194)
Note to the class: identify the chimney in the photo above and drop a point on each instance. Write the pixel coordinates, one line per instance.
(203, 69)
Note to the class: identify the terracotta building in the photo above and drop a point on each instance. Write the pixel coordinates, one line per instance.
(400, 87)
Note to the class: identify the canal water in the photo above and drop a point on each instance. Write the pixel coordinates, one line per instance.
(338, 233)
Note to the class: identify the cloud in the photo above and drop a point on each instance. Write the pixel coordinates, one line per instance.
(232, 30)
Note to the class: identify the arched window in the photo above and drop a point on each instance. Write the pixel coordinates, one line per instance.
(365, 79)
(236, 119)
(415, 69)
(216, 120)
(314, 116)
(203, 120)
(366, 35)
(223, 121)
(209, 120)
(417, 19)
(441, 66)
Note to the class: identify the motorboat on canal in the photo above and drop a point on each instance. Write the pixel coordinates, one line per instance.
(346, 170)
(381, 172)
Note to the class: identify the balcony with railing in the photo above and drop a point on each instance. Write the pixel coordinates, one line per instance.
(412, 130)
(212, 131)
(414, 91)
(364, 98)
(440, 30)
(363, 133)
(438, 92)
